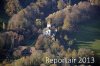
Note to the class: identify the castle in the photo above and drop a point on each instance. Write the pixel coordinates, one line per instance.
(48, 31)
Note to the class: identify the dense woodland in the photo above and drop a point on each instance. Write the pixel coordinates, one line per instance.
(22, 24)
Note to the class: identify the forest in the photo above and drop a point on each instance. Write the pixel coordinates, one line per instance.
(31, 30)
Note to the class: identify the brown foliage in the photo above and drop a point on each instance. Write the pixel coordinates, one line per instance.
(72, 15)
(39, 42)
(12, 7)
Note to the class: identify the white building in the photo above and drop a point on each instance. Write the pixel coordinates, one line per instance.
(47, 32)
(48, 25)
(48, 22)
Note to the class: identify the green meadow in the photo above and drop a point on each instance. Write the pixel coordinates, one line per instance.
(89, 36)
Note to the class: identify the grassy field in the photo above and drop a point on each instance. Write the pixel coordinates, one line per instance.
(92, 45)
(89, 36)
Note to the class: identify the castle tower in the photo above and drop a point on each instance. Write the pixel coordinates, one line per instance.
(49, 23)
